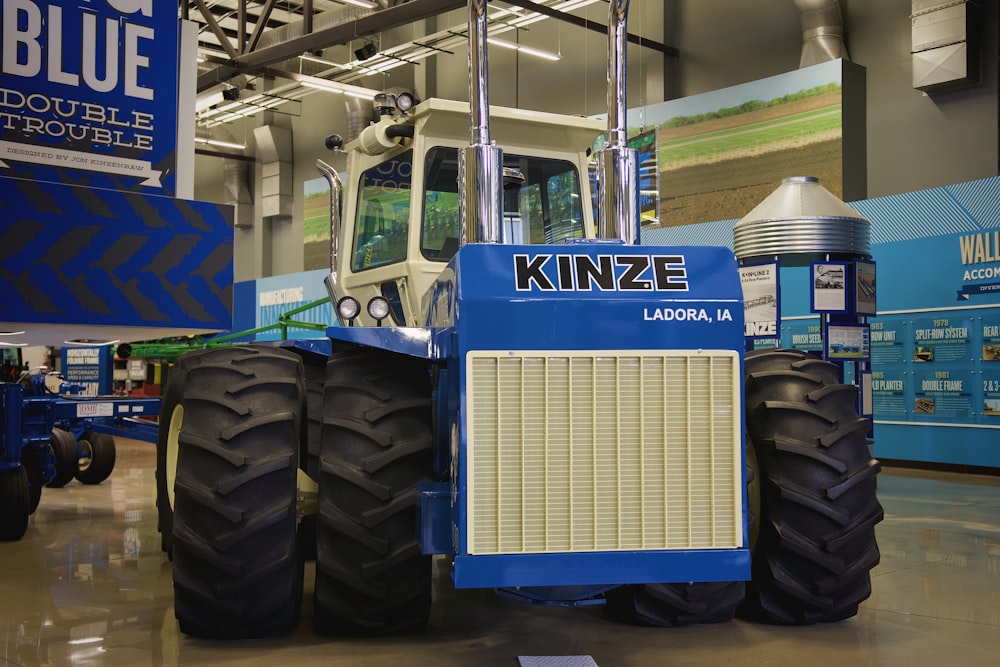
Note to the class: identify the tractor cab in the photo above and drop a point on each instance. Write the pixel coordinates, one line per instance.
(399, 216)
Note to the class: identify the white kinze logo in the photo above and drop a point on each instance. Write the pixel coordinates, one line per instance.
(603, 273)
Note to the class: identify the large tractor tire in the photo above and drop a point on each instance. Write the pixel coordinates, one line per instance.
(15, 502)
(315, 379)
(814, 491)
(66, 453)
(97, 457)
(170, 421)
(371, 578)
(237, 571)
(675, 605)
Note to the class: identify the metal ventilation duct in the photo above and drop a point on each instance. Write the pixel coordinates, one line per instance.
(802, 217)
(822, 32)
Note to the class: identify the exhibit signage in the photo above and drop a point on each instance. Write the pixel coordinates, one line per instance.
(760, 300)
(89, 93)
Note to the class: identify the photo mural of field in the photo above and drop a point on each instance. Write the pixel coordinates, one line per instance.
(719, 154)
(316, 222)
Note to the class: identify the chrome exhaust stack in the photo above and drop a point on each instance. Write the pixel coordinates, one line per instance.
(617, 164)
(330, 282)
(480, 165)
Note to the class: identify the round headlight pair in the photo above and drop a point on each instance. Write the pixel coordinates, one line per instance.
(348, 308)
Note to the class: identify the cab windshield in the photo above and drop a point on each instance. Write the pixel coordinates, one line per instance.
(541, 202)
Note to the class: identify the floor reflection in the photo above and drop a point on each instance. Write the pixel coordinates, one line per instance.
(89, 585)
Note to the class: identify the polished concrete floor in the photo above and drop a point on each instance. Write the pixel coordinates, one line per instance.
(88, 585)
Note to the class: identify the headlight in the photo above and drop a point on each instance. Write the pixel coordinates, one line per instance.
(348, 308)
(378, 308)
(404, 102)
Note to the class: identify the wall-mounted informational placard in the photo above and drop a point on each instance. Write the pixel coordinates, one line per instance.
(829, 287)
(887, 340)
(761, 312)
(941, 339)
(944, 394)
(805, 335)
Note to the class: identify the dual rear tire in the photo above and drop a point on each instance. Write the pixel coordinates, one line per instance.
(228, 455)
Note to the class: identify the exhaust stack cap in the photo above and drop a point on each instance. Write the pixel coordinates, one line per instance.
(802, 217)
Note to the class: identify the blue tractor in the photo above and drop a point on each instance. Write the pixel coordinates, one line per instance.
(566, 415)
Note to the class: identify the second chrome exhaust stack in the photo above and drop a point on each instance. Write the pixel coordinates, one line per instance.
(480, 164)
(617, 164)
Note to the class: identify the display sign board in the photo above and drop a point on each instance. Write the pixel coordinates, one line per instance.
(760, 300)
(89, 93)
(89, 366)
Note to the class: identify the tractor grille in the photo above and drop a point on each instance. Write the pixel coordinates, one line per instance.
(585, 451)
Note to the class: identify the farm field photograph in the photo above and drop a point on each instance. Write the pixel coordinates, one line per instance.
(721, 153)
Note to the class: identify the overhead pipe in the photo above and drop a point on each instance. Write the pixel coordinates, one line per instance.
(822, 32)
(617, 164)
(480, 164)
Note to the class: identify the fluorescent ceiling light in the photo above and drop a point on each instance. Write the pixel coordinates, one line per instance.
(523, 49)
(360, 3)
(540, 54)
(319, 86)
(323, 61)
(334, 86)
(223, 144)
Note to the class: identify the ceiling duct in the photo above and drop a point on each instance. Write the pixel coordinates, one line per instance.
(802, 217)
(822, 32)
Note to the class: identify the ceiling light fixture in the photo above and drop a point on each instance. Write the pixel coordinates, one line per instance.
(524, 49)
(360, 3)
(317, 86)
(316, 59)
(221, 144)
(334, 86)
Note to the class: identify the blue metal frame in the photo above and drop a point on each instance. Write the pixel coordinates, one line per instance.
(574, 297)
(28, 415)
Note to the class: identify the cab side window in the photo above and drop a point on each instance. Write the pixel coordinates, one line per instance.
(382, 221)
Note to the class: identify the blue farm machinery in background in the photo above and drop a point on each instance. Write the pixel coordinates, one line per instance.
(566, 416)
(52, 434)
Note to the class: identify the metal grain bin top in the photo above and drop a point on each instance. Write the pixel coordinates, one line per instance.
(802, 217)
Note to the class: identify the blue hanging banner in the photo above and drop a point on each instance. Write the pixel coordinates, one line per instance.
(85, 96)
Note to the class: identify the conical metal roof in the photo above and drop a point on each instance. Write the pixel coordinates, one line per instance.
(802, 217)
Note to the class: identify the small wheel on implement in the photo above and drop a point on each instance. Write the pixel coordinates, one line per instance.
(66, 453)
(31, 461)
(15, 500)
(97, 457)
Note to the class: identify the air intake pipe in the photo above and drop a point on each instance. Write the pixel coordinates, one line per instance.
(480, 164)
(617, 164)
(822, 32)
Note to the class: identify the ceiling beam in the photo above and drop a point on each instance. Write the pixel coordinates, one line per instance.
(403, 14)
(591, 25)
